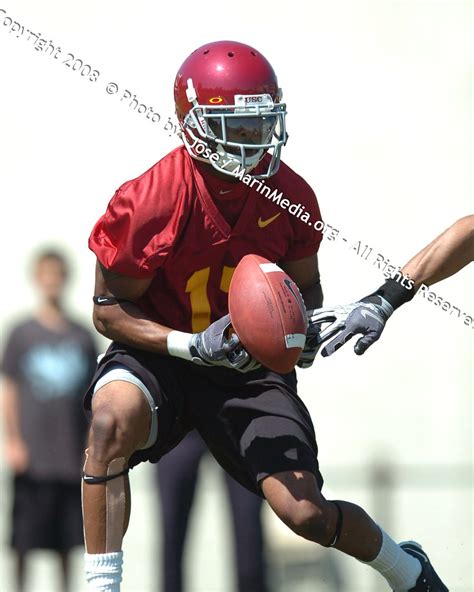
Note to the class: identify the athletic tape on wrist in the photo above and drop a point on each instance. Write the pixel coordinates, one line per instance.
(178, 344)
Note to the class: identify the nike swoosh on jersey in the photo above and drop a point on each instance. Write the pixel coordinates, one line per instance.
(263, 223)
(367, 313)
(224, 192)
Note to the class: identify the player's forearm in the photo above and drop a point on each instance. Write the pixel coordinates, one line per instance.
(313, 295)
(305, 274)
(126, 323)
(446, 255)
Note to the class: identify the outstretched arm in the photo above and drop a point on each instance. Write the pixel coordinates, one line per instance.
(444, 256)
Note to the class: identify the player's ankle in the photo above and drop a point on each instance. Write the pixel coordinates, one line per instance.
(400, 569)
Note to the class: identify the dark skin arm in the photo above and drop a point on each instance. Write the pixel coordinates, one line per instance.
(305, 274)
(125, 322)
(128, 324)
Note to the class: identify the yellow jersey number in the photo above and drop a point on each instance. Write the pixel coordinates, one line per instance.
(196, 287)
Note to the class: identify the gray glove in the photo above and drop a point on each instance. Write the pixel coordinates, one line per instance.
(211, 347)
(366, 318)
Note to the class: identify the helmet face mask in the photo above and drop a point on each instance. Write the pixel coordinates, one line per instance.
(231, 128)
(239, 136)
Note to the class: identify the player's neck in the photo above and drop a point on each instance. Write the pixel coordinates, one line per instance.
(210, 170)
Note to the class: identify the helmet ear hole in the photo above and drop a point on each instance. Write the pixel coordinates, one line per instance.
(231, 54)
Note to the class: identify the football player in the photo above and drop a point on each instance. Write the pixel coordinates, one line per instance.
(443, 257)
(166, 250)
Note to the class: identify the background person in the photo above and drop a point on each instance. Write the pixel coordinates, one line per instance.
(48, 361)
(177, 474)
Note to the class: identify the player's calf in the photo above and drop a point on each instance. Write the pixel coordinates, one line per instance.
(296, 500)
(315, 523)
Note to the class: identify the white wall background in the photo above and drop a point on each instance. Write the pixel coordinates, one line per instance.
(380, 101)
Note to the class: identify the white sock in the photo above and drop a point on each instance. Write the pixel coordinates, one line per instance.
(104, 571)
(399, 568)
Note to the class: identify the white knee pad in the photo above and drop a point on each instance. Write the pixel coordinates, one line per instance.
(121, 372)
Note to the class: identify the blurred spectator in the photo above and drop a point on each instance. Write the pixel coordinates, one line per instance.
(177, 475)
(47, 364)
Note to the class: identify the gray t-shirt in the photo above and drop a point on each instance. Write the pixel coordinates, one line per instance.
(52, 371)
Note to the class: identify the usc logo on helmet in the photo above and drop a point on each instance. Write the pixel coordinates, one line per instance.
(254, 99)
(216, 100)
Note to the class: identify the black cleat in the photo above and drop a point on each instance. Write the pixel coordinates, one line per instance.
(428, 580)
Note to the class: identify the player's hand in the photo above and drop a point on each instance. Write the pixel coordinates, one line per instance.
(212, 347)
(312, 344)
(360, 318)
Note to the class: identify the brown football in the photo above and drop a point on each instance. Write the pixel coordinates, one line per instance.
(267, 313)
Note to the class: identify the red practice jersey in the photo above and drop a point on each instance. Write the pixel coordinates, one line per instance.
(186, 229)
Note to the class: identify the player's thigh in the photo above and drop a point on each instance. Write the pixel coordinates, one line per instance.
(120, 410)
(258, 426)
(273, 444)
(159, 379)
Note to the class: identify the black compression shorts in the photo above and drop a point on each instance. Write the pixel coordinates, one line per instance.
(254, 424)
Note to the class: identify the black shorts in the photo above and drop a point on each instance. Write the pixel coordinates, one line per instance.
(254, 424)
(47, 514)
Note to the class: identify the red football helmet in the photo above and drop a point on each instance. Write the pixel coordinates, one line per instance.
(229, 110)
